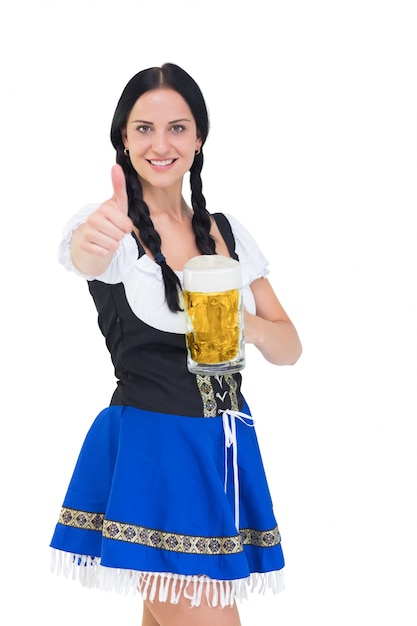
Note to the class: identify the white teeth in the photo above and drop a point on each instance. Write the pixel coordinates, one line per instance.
(162, 163)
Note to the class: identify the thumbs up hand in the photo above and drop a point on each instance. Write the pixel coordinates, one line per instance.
(94, 242)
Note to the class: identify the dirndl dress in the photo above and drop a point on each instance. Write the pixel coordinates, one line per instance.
(169, 496)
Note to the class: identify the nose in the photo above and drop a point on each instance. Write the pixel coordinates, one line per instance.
(160, 143)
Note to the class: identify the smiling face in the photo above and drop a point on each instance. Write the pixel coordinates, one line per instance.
(162, 138)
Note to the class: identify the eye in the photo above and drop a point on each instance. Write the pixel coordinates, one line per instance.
(178, 128)
(144, 129)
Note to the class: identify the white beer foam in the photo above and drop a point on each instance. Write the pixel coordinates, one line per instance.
(209, 273)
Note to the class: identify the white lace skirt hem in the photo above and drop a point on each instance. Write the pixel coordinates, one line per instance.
(161, 586)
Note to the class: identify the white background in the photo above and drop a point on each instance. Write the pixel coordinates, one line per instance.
(313, 147)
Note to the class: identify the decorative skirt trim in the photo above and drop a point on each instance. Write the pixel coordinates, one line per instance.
(161, 586)
(174, 542)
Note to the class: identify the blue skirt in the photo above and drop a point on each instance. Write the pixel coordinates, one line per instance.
(170, 505)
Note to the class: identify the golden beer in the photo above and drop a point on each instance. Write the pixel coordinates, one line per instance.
(215, 323)
(214, 315)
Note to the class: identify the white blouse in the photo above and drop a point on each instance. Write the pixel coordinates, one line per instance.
(142, 278)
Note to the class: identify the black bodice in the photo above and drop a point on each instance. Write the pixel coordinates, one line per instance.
(151, 364)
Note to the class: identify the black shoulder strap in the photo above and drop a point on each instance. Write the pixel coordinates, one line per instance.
(227, 233)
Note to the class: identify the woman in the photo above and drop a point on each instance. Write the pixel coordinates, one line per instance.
(158, 502)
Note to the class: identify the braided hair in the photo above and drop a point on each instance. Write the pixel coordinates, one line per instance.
(173, 77)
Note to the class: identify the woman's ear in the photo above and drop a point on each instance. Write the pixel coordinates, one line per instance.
(124, 136)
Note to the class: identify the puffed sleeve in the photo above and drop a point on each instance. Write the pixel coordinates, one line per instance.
(254, 264)
(123, 258)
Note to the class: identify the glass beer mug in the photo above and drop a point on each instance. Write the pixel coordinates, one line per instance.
(214, 315)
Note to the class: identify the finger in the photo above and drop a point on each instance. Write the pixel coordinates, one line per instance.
(108, 221)
(119, 188)
(101, 244)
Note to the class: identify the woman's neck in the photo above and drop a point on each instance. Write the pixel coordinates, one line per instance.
(166, 201)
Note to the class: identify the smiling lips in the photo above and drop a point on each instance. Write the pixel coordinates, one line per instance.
(161, 163)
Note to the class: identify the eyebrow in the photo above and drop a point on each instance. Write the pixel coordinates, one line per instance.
(183, 119)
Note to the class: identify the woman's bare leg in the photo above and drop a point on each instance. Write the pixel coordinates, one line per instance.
(182, 614)
(147, 618)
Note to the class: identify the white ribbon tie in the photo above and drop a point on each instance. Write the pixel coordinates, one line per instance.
(230, 439)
